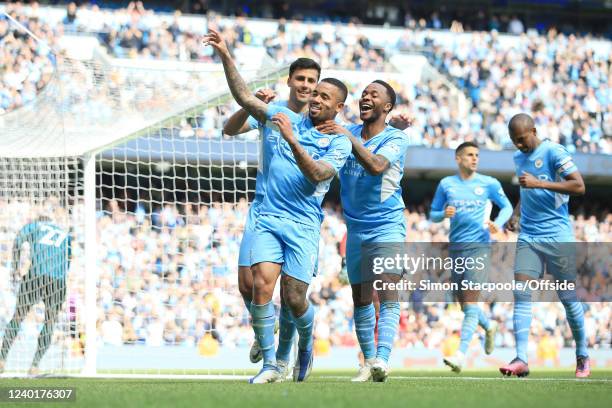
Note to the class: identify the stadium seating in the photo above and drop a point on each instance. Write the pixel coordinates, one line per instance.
(572, 103)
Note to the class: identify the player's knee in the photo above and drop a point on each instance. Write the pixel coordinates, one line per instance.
(362, 295)
(261, 282)
(294, 295)
(245, 282)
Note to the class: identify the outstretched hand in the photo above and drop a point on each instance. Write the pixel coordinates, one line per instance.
(214, 39)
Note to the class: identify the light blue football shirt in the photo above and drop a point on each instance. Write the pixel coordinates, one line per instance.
(545, 213)
(370, 201)
(268, 138)
(289, 193)
(472, 199)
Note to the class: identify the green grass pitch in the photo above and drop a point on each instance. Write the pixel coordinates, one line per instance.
(329, 389)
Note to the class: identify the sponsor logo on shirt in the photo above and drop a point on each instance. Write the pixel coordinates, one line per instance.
(467, 206)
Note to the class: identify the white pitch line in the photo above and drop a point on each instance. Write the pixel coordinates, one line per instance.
(399, 377)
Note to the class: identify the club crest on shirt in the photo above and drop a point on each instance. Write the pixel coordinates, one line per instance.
(323, 142)
(538, 163)
(479, 191)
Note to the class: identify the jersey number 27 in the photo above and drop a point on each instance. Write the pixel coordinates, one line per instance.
(53, 236)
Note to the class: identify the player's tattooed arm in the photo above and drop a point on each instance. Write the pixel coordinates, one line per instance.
(572, 185)
(240, 90)
(315, 171)
(237, 123)
(374, 164)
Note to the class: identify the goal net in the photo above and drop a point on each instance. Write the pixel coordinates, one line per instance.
(131, 164)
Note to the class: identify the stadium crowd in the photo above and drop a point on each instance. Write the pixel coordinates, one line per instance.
(168, 276)
(26, 65)
(559, 78)
(171, 277)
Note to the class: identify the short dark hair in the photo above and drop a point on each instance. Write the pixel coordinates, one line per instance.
(463, 146)
(390, 91)
(338, 84)
(304, 63)
(520, 121)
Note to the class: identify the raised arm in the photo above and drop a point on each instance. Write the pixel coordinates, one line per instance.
(239, 122)
(240, 90)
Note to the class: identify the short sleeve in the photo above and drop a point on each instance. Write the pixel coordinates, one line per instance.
(562, 161)
(295, 118)
(394, 148)
(339, 150)
(252, 123)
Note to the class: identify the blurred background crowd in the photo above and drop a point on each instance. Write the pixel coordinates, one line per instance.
(169, 277)
(564, 80)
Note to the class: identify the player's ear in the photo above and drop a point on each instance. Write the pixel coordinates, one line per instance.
(388, 107)
(339, 107)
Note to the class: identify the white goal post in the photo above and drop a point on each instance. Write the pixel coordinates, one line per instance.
(131, 162)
